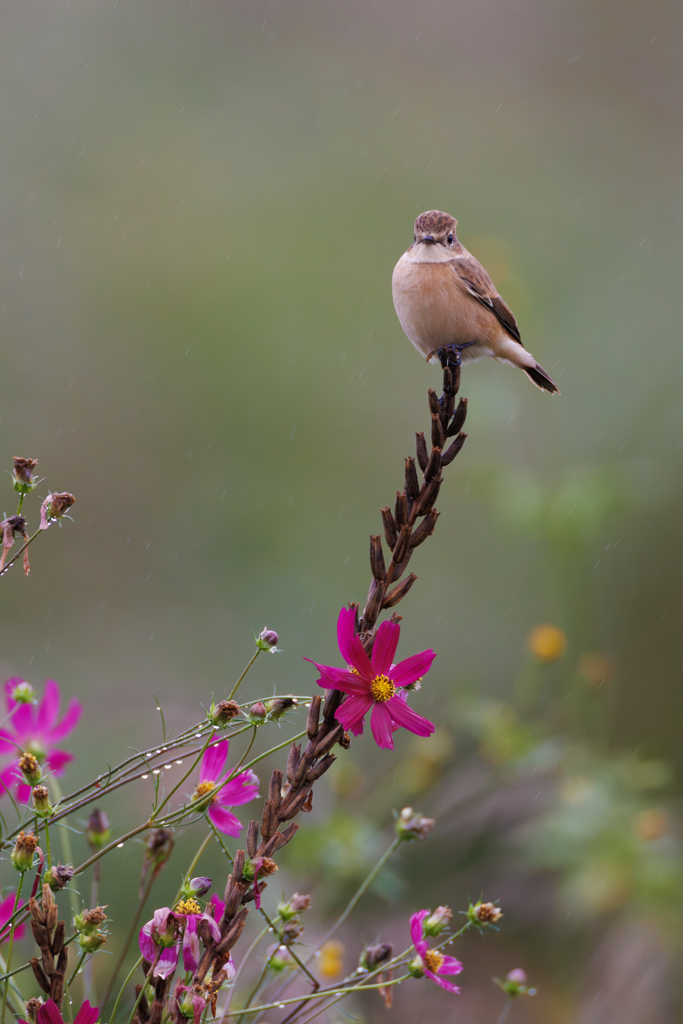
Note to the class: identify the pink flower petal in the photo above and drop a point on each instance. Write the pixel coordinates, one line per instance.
(23, 793)
(11, 685)
(191, 944)
(49, 1013)
(339, 679)
(230, 968)
(346, 630)
(240, 790)
(87, 1014)
(146, 942)
(360, 660)
(450, 965)
(380, 723)
(214, 929)
(416, 930)
(384, 647)
(224, 821)
(409, 719)
(48, 709)
(448, 985)
(168, 961)
(213, 761)
(411, 669)
(67, 724)
(21, 724)
(218, 907)
(353, 710)
(57, 761)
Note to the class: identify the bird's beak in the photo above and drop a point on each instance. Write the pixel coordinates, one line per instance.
(429, 239)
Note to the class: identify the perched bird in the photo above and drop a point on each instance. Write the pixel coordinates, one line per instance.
(445, 300)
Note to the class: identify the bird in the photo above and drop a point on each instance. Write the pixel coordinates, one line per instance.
(449, 307)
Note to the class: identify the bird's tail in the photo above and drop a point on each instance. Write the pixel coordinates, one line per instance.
(541, 379)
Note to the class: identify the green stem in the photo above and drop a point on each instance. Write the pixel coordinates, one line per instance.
(11, 947)
(253, 992)
(505, 1012)
(129, 938)
(237, 684)
(67, 853)
(21, 502)
(238, 974)
(79, 964)
(112, 1016)
(47, 846)
(18, 1001)
(317, 995)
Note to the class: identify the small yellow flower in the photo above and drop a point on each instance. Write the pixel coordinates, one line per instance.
(331, 963)
(547, 643)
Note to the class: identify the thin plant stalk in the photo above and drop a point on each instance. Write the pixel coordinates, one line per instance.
(239, 681)
(11, 946)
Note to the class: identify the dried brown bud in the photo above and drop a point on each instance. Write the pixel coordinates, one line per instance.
(345, 741)
(15, 524)
(428, 496)
(159, 848)
(486, 913)
(29, 767)
(374, 603)
(25, 846)
(459, 419)
(424, 529)
(88, 921)
(412, 825)
(402, 546)
(412, 485)
(54, 507)
(298, 903)
(453, 450)
(390, 531)
(421, 451)
(223, 712)
(24, 478)
(372, 956)
(437, 430)
(58, 876)
(32, 1007)
(433, 467)
(401, 510)
(377, 566)
(97, 830)
(399, 591)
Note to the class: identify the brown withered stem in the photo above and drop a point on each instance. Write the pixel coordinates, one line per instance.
(48, 932)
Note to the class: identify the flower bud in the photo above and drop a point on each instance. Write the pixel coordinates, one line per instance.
(159, 847)
(290, 932)
(24, 848)
(484, 913)
(196, 887)
(257, 713)
(32, 1007)
(24, 478)
(267, 640)
(277, 706)
(54, 507)
(97, 830)
(91, 943)
(263, 866)
(41, 802)
(295, 905)
(29, 766)
(223, 712)
(58, 876)
(515, 984)
(89, 921)
(372, 956)
(436, 923)
(416, 967)
(186, 1006)
(281, 959)
(23, 693)
(412, 825)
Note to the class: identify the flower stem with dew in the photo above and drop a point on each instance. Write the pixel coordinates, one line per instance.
(18, 1000)
(239, 681)
(317, 995)
(79, 964)
(66, 848)
(47, 846)
(11, 946)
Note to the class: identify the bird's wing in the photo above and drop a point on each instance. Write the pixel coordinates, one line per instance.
(481, 287)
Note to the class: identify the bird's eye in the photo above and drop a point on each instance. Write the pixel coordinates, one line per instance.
(450, 239)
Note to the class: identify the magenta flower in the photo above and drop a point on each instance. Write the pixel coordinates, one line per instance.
(430, 961)
(376, 683)
(49, 1014)
(240, 790)
(189, 1003)
(6, 911)
(36, 729)
(161, 938)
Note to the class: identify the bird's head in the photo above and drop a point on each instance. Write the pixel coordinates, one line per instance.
(436, 228)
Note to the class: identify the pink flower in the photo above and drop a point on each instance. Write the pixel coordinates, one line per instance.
(430, 961)
(190, 1005)
(49, 1014)
(376, 683)
(161, 938)
(240, 790)
(36, 729)
(6, 911)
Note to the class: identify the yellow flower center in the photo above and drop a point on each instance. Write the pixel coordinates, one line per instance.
(433, 960)
(202, 789)
(190, 907)
(382, 688)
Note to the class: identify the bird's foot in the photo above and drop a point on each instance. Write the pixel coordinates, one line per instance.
(451, 355)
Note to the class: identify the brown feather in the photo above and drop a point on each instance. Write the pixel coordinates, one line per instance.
(481, 287)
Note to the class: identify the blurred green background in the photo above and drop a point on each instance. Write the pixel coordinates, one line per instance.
(201, 205)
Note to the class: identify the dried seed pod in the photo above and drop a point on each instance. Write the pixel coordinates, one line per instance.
(268, 820)
(428, 496)
(390, 531)
(313, 719)
(459, 418)
(421, 450)
(425, 529)
(275, 784)
(401, 549)
(437, 431)
(332, 702)
(399, 591)
(280, 839)
(327, 742)
(453, 449)
(374, 604)
(412, 485)
(433, 467)
(318, 770)
(401, 512)
(293, 760)
(252, 838)
(292, 807)
(377, 565)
